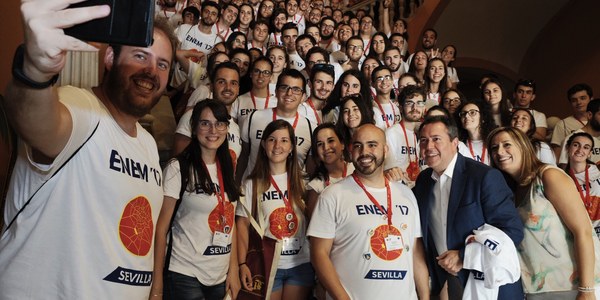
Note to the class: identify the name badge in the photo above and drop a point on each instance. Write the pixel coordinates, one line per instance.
(393, 242)
(220, 239)
(291, 244)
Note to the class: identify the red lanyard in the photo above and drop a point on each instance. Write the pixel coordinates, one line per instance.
(387, 124)
(275, 38)
(310, 103)
(586, 199)
(407, 145)
(224, 37)
(295, 120)
(288, 204)
(254, 100)
(294, 19)
(367, 48)
(473, 153)
(389, 198)
(220, 192)
(327, 182)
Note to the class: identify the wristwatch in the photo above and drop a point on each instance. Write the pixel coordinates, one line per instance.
(18, 74)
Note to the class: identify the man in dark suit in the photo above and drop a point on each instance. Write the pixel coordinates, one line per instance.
(457, 195)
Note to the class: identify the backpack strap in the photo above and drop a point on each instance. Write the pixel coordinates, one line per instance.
(184, 171)
(52, 176)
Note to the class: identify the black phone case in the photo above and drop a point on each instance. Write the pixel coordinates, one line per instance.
(129, 23)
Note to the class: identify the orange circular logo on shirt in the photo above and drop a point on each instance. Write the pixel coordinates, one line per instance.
(280, 225)
(221, 223)
(136, 227)
(378, 242)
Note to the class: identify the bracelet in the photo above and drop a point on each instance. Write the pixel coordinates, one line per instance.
(241, 264)
(156, 295)
(586, 289)
(19, 74)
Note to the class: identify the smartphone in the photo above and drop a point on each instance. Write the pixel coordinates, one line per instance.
(129, 23)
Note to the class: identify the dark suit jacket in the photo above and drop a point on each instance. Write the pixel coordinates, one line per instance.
(479, 195)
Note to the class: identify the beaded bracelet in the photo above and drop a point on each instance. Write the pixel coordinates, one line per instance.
(586, 289)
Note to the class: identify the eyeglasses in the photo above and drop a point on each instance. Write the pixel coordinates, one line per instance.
(470, 112)
(206, 125)
(322, 66)
(285, 88)
(381, 79)
(414, 103)
(258, 72)
(452, 100)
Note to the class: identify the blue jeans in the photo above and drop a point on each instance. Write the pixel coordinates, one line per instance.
(181, 287)
(302, 275)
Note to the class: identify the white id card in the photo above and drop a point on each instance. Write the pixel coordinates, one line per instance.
(291, 244)
(393, 242)
(220, 239)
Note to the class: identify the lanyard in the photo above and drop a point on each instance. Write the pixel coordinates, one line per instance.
(406, 139)
(295, 120)
(387, 124)
(389, 198)
(473, 153)
(220, 193)
(224, 37)
(327, 182)
(310, 103)
(254, 100)
(586, 199)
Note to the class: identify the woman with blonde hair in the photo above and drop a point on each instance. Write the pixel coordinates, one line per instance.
(559, 250)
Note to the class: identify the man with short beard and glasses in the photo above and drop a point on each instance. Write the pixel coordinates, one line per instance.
(87, 186)
(383, 108)
(327, 30)
(225, 84)
(321, 83)
(365, 231)
(403, 162)
(354, 51)
(592, 127)
(314, 17)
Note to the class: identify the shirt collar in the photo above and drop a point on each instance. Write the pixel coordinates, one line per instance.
(449, 170)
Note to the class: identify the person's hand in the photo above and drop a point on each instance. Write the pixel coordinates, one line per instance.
(450, 261)
(246, 277)
(45, 41)
(394, 174)
(232, 284)
(387, 3)
(433, 53)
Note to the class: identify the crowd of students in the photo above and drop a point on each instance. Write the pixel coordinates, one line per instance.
(311, 124)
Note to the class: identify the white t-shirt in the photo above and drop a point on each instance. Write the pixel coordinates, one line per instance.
(475, 150)
(244, 105)
(311, 114)
(89, 231)
(233, 134)
(594, 192)
(365, 268)
(400, 154)
(191, 37)
(564, 156)
(390, 115)
(563, 128)
(273, 214)
(318, 184)
(197, 220)
(452, 75)
(253, 127)
(296, 62)
(275, 39)
(545, 154)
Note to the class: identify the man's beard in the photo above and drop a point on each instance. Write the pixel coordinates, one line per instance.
(370, 169)
(203, 21)
(122, 96)
(595, 124)
(325, 37)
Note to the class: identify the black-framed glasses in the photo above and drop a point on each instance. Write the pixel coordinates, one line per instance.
(455, 100)
(313, 63)
(262, 72)
(206, 125)
(295, 90)
(410, 103)
(322, 67)
(470, 112)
